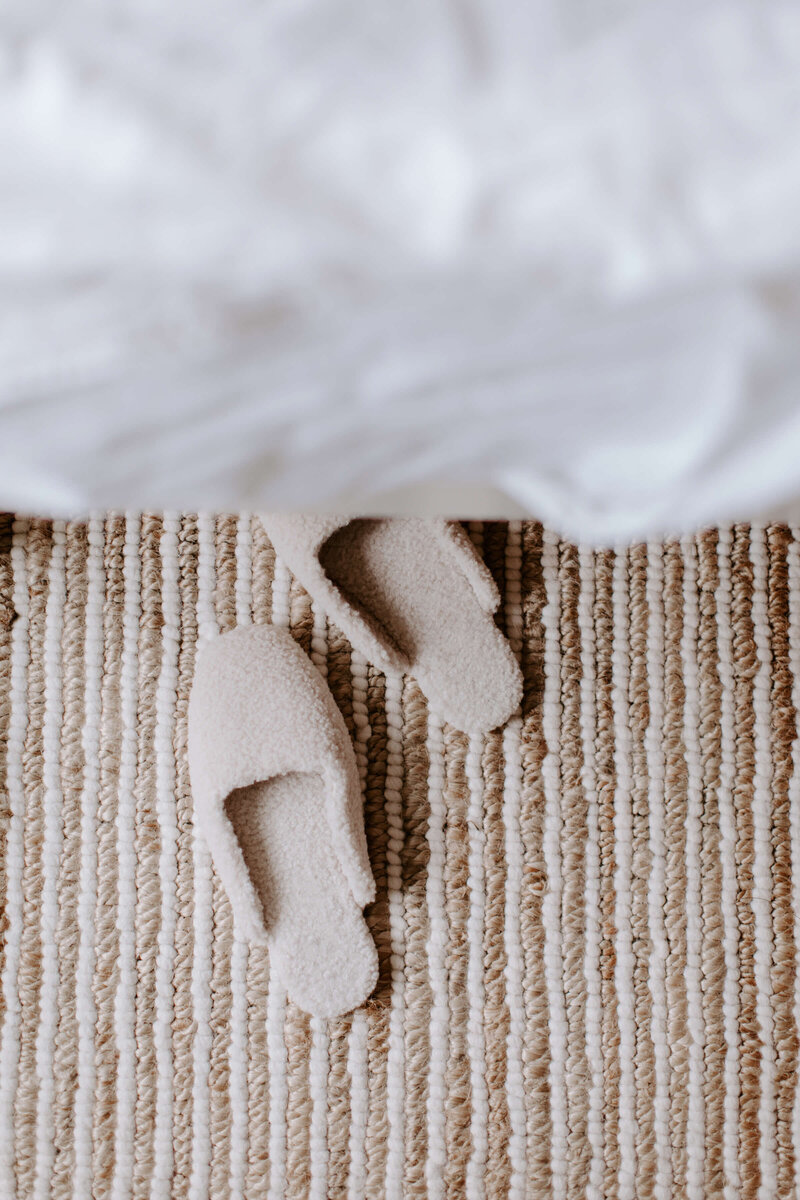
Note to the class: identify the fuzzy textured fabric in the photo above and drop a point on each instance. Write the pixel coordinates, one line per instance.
(414, 597)
(276, 792)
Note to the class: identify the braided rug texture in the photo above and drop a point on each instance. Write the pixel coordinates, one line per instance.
(587, 921)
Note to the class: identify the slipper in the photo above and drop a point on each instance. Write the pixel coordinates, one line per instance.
(276, 793)
(413, 596)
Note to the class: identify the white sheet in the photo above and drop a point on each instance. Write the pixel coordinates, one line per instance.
(333, 254)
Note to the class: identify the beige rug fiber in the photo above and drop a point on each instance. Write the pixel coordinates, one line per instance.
(587, 922)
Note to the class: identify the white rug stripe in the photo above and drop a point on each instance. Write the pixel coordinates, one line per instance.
(17, 726)
(551, 906)
(359, 1105)
(87, 879)
(437, 962)
(794, 806)
(166, 699)
(319, 1060)
(762, 864)
(125, 996)
(363, 730)
(281, 583)
(237, 1048)
(623, 837)
(278, 1091)
(475, 929)
(202, 917)
(319, 640)
(727, 826)
(695, 1138)
(357, 1039)
(244, 569)
(395, 1065)
(512, 798)
(237, 1062)
(588, 721)
(656, 885)
(53, 803)
(318, 1087)
(276, 996)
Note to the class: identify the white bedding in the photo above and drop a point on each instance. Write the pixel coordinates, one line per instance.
(448, 255)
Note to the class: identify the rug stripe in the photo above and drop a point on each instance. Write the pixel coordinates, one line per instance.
(183, 1015)
(515, 1087)
(359, 1103)
(532, 816)
(606, 788)
(657, 881)
(67, 937)
(479, 1101)
(763, 864)
(222, 948)
(745, 666)
(675, 839)
(784, 965)
(437, 964)
(457, 1139)
(318, 1083)
(53, 843)
(727, 819)
(623, 833)
(692, 899)
(416, 1025)
(641, 865)
(244, 569)
(147, 911)
(203, 899)
(573, 871)
(125, 993)
(166, 700)
(104, 983)
(496, 1019)
(88, 880)
(395, 1067)
(713, 944)
(29, 974)
(591, 963)
(552, 907)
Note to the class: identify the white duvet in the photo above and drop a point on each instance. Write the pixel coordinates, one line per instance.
(339, 253)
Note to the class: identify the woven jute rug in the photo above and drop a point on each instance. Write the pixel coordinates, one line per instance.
(587, 922)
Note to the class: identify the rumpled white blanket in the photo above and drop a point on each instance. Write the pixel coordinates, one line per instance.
(333, 253)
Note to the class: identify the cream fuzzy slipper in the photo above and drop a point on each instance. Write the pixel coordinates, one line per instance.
(413, 596)
(277, 795)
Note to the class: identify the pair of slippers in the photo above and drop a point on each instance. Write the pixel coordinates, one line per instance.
(274, 777)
